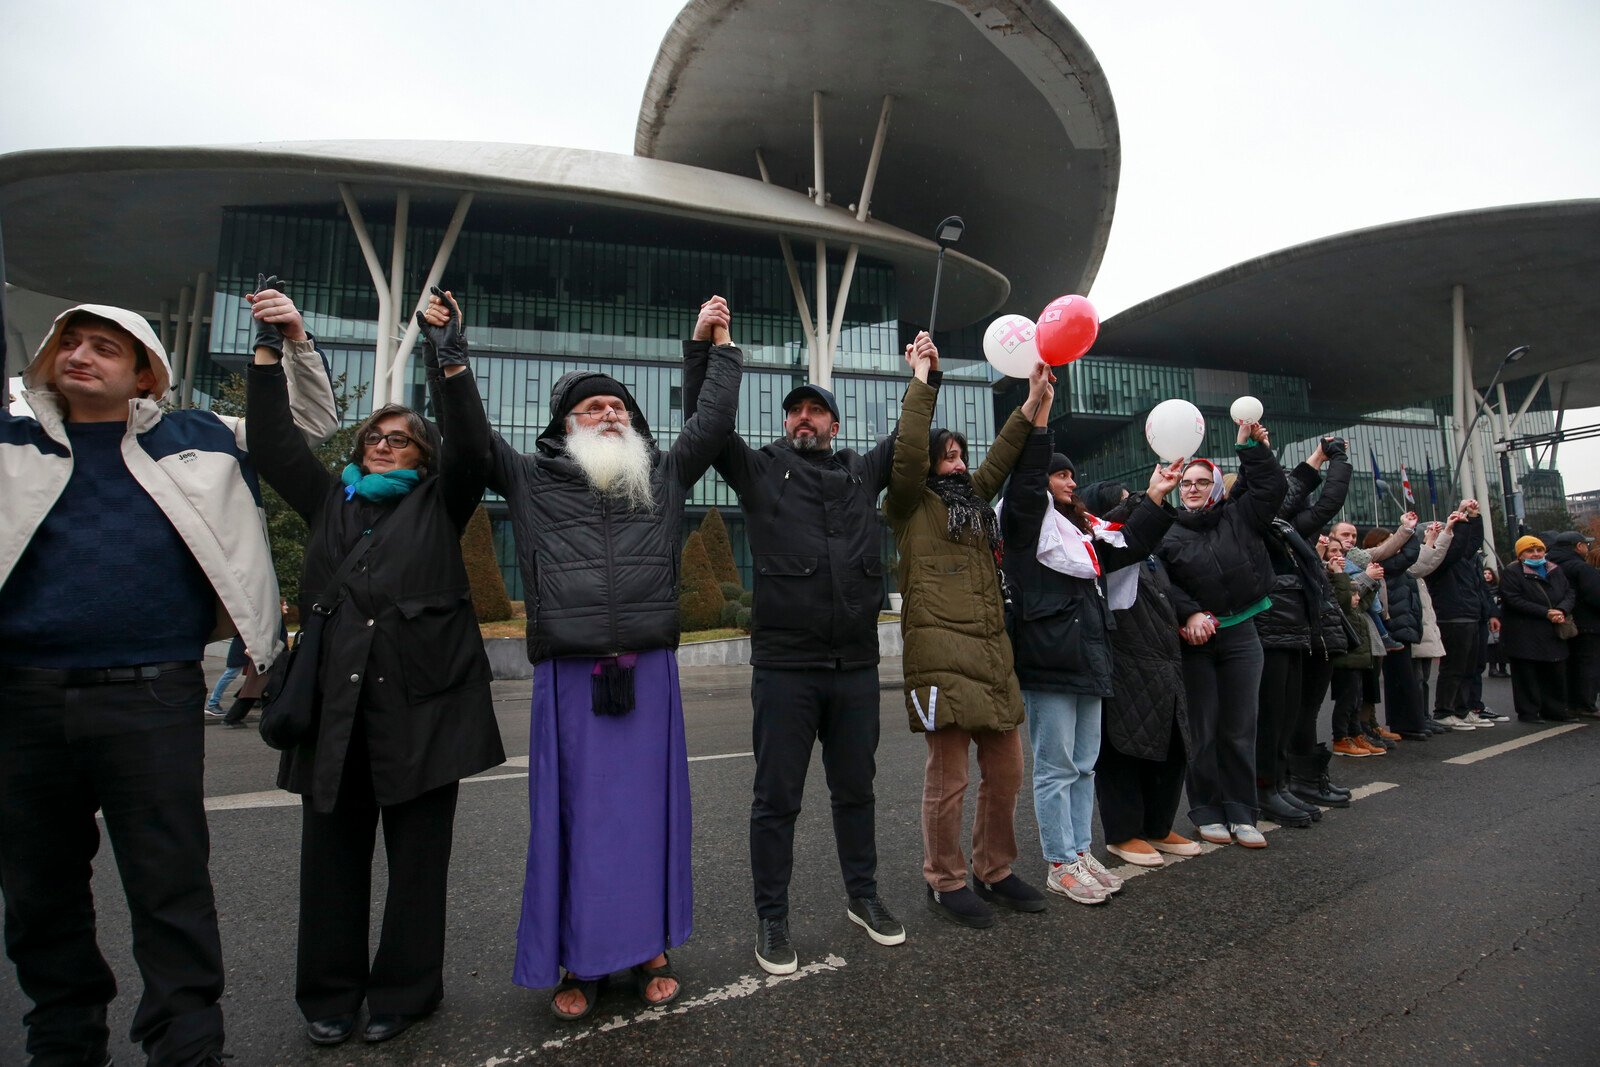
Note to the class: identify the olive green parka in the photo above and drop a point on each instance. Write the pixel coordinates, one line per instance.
(957, 655)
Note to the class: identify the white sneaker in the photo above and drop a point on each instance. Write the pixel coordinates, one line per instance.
(1216, 833)
(1247, 835)
(1073, 881)
(1112, 882)
(1455, 722)
(1477, 722)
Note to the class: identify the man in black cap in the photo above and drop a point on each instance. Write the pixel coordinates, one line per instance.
(1571, 552)
(811, 515)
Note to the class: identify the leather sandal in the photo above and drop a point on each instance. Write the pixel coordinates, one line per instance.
(591, 996)
(643, 976)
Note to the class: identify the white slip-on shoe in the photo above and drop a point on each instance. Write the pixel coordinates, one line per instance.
(1216, 833)
(1138, 859)
(1455, 722)
(1181, 847)
(1247, 835)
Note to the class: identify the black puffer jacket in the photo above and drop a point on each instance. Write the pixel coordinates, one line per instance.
(602, 579)
(1217, 558)
(1527, 633)
(1585, 582)
(1300, 593)
(1307, 516)
(1060, 624)
(1455, 585)
(1147, 676)
(1405, 603)
(1358, 657)
(816, 538)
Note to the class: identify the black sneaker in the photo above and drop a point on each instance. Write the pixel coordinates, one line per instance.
(960, 906)
(870, 914)
(773, 950)
(1009, 892)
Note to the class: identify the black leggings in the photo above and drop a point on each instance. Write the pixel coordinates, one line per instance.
(1281, 671)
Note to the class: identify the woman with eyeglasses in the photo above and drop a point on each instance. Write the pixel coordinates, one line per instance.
(1216, 556)
(403, 680)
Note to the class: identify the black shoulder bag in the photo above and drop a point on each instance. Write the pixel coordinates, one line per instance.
(290, 703)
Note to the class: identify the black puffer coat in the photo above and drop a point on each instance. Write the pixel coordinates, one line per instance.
(1300, 593)
(602, 579)
(1147, 674)
(1217, 558)
(1526, 631)
(1405, 603)
(1455, 585)
(1585, 582)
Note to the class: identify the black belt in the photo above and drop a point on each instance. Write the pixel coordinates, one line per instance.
(79, 676)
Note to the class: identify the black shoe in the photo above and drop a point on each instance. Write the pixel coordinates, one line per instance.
(1434, 726)
(335, 1030)
(1372, 735)
(870, 914)
(1289, 798)
(384, 1027)
(774, 951)
(1279, 810)
(1560, 716)
(1529, 718)
(1314, 791)
(1416, 735)
(960, 906)
(1009, 892)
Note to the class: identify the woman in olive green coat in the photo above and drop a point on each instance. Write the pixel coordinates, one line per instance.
(961, 689)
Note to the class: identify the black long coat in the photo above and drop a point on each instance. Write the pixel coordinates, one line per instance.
(1526, 631)
(1147, 678)
(402, 657)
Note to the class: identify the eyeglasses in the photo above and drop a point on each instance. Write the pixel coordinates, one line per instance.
(397, 441)
(1195, 485)
(620, 410)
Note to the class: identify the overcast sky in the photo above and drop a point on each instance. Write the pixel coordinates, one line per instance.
(1246, 127)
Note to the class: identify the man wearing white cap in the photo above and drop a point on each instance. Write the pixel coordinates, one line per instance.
(131, 536)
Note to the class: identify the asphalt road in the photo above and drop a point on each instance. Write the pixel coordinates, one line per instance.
(1447, 917)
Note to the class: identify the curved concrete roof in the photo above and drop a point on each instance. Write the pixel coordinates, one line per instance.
(131, 225)
(1365, 315)
(1002, 115)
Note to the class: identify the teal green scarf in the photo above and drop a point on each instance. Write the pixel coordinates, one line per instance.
(378, 488)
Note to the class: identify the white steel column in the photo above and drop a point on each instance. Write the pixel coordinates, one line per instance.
(166, 327)
(1561, 414)
(202, 300)
(800, 302)
(822, 350)
(380, 284)
(1458, 376)
(1479, 486)
(1527, 401)
(863, 206)
(447, 246)
(181, 338)
(397, 270)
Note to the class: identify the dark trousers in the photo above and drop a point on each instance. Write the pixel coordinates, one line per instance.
(1475, 680)
(406, 977)
(1583, 671)
(1423, 670)
(135, 752)
(1403, 705)
(1346, 701)
(1316, 673)
(793, 710)
(1539, 688)
(1460, 664)
(1222, 679)
(1139, 797)
(1281, 671)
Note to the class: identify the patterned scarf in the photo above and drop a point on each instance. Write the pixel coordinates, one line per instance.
(970, 516)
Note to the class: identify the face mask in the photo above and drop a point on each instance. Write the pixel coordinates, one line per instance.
(1536, 565)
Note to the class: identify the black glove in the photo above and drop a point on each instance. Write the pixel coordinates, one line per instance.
(267, 333)
(443, 346)
(1333, 448)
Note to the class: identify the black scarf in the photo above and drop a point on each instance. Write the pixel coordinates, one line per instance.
(970, 516)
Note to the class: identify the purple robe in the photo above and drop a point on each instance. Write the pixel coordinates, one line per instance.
(608, 882)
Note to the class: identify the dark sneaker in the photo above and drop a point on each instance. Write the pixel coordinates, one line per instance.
(870, 914)
(960, 906)
(1009, 892)
(774, 951)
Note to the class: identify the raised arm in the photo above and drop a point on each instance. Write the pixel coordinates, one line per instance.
(1027, 495)
(912, 463)
(279, 453)
(1264, 480)
(1034, 412)
(1396, 541)
(463, 463)
(1432, 552)
(281, 335)
(1405, 548)
(708, 427)
(1313, 516)
(738, 463)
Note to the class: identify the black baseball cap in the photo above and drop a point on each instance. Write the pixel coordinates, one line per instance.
(814, 392)
(1573, 537)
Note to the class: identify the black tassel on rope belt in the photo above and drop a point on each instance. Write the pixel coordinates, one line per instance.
(612, 684)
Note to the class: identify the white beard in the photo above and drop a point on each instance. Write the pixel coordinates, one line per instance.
(616, 465)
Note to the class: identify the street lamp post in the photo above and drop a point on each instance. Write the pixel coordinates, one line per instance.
(948, 233)
(1509, 358)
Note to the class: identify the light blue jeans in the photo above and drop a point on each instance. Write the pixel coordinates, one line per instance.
(1065, 731)
(214, 702)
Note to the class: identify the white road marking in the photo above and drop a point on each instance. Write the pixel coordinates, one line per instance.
(1508, 746)
(277, 798)
(1266, 826)
(743, 986)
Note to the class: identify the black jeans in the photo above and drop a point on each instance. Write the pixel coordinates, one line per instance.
(1539, 688)
(1281, 671)
(406, 977)
(793, 709)
(1403, 705)
(1139, 797)
(1460, 664)
(1346, 701)
(1316, 672)
(1583, 671)
(1223, 681)
(134, 751)
(1423, 669)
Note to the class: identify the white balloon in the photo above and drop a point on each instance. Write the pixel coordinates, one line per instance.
(1175, 429)
(1246, 409)
(1010, 345)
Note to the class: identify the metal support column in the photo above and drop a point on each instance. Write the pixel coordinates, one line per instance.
(447, 246)
(863, 207)
(1561, 415)
(802, 305)
(202, 301)
(166, 327)
(1458, 374)
(822, 350)
(1479, 465)
(397, 270)
(380, 284)
(181, 338)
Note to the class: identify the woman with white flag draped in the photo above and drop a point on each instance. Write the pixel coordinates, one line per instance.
(1060, 560)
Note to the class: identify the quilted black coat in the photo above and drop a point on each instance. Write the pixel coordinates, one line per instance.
(1147, 671)
(1405, 603)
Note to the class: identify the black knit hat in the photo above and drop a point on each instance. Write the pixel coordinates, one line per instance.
(593, 385)
(1059, 462)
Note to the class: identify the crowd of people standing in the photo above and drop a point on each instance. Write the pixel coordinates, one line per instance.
(1148, 649)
